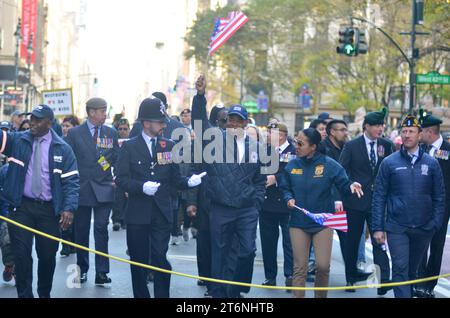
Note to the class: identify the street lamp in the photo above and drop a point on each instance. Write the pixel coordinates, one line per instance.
(18, 37)
(30, 53)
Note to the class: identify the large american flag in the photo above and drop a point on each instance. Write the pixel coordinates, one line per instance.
(224, 28)
(337, 221)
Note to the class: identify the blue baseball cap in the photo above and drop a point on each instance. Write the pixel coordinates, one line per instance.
(238, 110)
(42, 111)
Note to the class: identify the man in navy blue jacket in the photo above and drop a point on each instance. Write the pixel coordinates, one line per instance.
(236, 188)
(410, 184)
(42, 186)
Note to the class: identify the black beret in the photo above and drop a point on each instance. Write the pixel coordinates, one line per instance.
(375, 118)
(411, 121)
(96, 103)
(430, 120)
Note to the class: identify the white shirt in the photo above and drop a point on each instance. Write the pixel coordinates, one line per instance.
(241, 147)
(283, 147)
(368, 141)
(436, 145)
(148, 141)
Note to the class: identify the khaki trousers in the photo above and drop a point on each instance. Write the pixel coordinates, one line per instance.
(301, 241)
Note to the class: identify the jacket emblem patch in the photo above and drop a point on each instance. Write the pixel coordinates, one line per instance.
(424, 170)
(319, 171)
(297, 171)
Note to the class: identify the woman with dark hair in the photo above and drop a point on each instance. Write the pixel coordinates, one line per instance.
(68, 123)
(307, 182)
(25, 125)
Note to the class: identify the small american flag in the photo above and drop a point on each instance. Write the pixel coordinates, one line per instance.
(224, 28)
(337, 221)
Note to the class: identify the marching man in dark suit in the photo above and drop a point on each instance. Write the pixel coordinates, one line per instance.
(408, 205)
(145, 170)
(275, 214)
(96, 148)
(361, 158)
(438, 148)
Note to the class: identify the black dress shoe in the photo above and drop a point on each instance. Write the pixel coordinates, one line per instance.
(201, 283)
(102, 279)
(430, 294)
(83, 278)
(269, 282)
(350, 290)
(383, 290)
(359, 277)
(419, 292)
(116, 226)
(66, 250)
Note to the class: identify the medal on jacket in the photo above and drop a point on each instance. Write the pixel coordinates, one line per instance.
(164, 158)
(442, 154)
(103, 163)
(380, 151)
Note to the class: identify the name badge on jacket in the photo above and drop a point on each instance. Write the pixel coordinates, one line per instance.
(164, 158)
(103, 163)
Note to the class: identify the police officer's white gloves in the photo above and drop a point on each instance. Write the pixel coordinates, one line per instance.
(196, 179)
(150, 187)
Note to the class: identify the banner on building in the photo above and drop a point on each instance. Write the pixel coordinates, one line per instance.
(29, 29)
(60, 101)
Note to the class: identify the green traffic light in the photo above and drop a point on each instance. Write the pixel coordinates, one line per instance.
(349, 49)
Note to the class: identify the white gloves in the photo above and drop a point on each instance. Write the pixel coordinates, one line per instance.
(196, 179)
(150, 187)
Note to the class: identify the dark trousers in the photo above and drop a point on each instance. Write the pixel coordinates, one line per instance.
(407, 250)
(269, 224)
(431, 265)
(226, 222)
(82, 229)
(356, 221)
(141, 239)
(40, 216)
(176, 231)
(120, 204)
(204, 253)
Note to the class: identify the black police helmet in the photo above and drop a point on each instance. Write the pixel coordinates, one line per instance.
(152, 109)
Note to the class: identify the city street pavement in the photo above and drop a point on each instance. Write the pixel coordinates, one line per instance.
(183, 259)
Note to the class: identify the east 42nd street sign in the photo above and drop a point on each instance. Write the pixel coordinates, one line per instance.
(433, 78)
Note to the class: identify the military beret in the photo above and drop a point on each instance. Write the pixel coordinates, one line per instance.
(430, 120)
(279, 126)
(411, 121)
(185, 111)
(375, 118)
(96, 103)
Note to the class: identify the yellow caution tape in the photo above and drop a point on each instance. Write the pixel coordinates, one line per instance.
(218, 280)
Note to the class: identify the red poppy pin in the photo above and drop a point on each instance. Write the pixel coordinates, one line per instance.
(162, 143)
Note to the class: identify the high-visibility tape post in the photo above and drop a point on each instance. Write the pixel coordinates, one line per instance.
(217, 280)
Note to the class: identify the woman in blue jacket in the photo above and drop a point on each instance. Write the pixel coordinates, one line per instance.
(307, 181)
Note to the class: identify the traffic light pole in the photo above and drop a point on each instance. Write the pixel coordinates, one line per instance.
(410, 61)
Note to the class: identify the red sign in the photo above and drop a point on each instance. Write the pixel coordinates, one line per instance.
(29, 28)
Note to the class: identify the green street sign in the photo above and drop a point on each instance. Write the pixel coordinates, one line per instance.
(251, 106)
(433, 78)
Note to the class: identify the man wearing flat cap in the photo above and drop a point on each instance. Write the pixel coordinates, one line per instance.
(96, 148)
(146, 171)
(275, 214)
(438, 148)
(408, 205)
(361, 159)
(41, 188)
